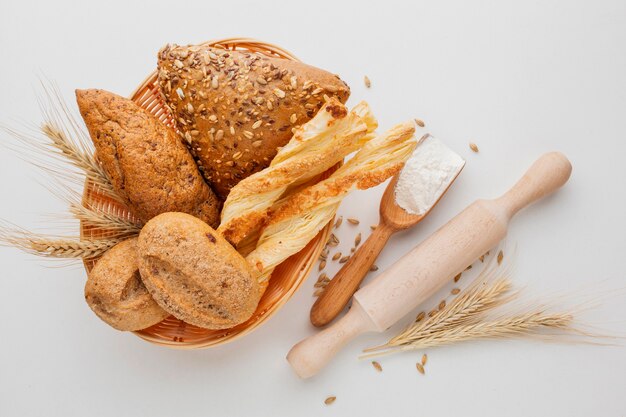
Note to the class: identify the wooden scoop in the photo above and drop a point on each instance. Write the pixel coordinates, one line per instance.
(393, 218)
(432, 263)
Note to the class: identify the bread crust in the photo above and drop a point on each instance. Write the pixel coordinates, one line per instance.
(116, 293)
(235, 109)
(193, 273)
(148, 165)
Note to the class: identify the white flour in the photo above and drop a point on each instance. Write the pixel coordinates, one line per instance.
(426, 175)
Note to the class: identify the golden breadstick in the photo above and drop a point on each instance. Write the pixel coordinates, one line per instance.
(295, 220)
(315, 147)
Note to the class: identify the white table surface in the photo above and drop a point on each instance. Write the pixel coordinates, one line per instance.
(517, 78)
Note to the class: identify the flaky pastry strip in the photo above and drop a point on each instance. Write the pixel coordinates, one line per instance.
(315, 147)
(298, 218)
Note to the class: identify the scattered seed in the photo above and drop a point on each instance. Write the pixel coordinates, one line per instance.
(420, 316)
(322, 265)
(357, 240)
(420, 368)
(500, 257)
(424, 359)
(482, 258)
(352, 250)
(442, 305)
(432, 313)
(344, 259)
(367, 81)
(336, 256)
(468, 268)
(457, 277)
(420, 122)
(374, 226)
(374, 267)
(353, 221)
(455, 291)
(473, 147)
(330, 400)
(338, 222)
(377, 366)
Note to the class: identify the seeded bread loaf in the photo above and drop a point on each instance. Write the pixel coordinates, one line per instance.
(193, 273)
(115, 292)
(149, 166)
(236, 108)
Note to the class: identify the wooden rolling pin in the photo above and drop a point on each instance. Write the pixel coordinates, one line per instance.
(434, 262)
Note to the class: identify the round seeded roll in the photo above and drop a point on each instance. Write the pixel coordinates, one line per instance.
(116, 293)
(236, 108)
(194, 274)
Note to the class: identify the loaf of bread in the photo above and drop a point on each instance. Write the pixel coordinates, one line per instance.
(116, 293)
(236, 108)
(194, 274)
(148, 165)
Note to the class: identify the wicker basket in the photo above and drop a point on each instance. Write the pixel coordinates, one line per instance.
(286, 278)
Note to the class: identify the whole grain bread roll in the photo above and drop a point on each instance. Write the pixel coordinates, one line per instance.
(116, 293)
(148, 165)
(236, 108)
(194, 274)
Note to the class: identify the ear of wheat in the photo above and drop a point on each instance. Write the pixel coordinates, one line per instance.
(482, 311)
(55, 247)
(299, 217)
(62, 143)
(63, 149)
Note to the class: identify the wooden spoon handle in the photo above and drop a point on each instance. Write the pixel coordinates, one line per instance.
(341, 288)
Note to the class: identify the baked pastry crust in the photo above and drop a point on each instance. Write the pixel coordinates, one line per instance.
(315, 147)
(193, 273)
(148, 165)
(116, 293)
(235, 109)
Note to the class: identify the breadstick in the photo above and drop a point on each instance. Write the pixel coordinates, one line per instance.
(315, 147)
(295, 220)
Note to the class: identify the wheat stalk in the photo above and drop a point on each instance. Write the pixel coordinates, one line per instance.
(66, 142)
(513, 326)
(55, 247)
(102, 220)
(469, 316)
(467, 307)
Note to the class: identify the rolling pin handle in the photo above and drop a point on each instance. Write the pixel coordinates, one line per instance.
(546, 175)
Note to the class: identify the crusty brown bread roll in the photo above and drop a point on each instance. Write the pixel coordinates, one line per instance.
(116, 293)
(194, 274)
(148, 165)
(236, 108)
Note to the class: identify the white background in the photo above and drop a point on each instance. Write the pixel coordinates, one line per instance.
(518, 78)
